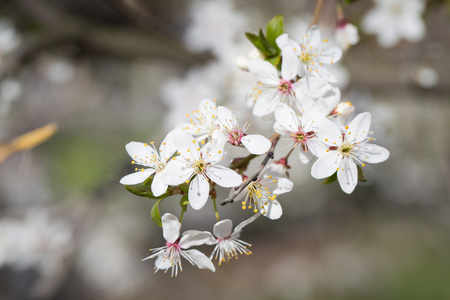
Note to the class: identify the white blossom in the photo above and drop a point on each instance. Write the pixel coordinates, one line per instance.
(235, 135)
(392, 20)
(273, 89)
(346, 150)
(202, 122)
(198, 166)
(154, 160)
(169, 256)
(310, 57)
(346, 35)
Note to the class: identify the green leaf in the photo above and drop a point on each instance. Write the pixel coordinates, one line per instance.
(184, 202)
(269, 50)
(145, 189)
(274, 30)
(255, 41)
(331, 179)
(156, 216)
(361, 174)
(275, 61)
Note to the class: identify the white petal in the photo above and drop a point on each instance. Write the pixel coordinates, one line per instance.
(329, 133)
(198, 192)
(305, 157)
(176, 172)
(207, 106)
(284, 185)
(161, 263)
(326, 165)
(265, 103)
(347, 175)
(200, 260)
(186, 144)
(330, 56)
(226, 118)
(313, 36)
(332, 98)
(264, 71)
(359, 127)
(223, 229)
(374, 154)
(194, 238)
(313, 115)
(158, 185)
(312, 86)
(171, 227)
(273, 210)
(286, 119)
(140, 151)
(289, 65)
(167, 147)
(224, 176)
(137, 177)
(256, 143)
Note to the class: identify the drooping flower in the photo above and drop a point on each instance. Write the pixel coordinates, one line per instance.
(302, 131)
(273, 89)
(392, 20)
(235, 135)
(155, 161)
(228, 244)
(347, 150)
(169, 256)
(262, 193)
(310, 56)
(346, 35)
(202, 122)
(198, 166)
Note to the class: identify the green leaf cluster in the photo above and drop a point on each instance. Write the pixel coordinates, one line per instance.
(267, 43)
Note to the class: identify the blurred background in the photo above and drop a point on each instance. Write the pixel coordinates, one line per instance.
(107, 72)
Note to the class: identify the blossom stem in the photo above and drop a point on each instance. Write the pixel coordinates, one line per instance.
(215, 209)
(274, 139)
(243, 162)
(339, 11)
(317, 11)
(289, 153)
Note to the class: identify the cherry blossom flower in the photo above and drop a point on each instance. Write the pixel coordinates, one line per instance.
(346, 35)
(392, 20)
(346, 150)
(309, 57)
(228, 244)
(273, 89)
(302, 131)
(341, 113)
(262, 193)
(203, 120)
(198, 166)
(169, 256)
(229, 127)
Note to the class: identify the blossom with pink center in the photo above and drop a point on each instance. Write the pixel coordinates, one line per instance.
(228, 126)
(169, 256)
(273, 89)
(346, 35)
(301, 131)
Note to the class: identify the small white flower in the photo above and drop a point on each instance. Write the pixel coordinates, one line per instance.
(202, 164)
(229, 127)
(243, 60)
(346, 35)
(262, 193)
(202, 121)
(169, 256)
(155, 160)
(227, 242)
(392, 20)
(302, 131)
(341, 113)
(273, 89)
(309, 57)
(346, 149)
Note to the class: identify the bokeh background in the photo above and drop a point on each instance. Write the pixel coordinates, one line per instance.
(112, 71)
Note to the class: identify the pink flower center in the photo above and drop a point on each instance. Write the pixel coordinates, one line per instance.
(302, 137)
(173, 246)
(285, 86)
(235, 136)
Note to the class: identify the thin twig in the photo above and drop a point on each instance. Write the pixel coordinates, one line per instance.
(317, 11)
(275, 137)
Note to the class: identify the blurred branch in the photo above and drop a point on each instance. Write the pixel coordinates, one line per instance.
(317, 11)
(60, 28)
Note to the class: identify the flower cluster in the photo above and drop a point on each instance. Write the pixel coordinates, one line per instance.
(295, 92)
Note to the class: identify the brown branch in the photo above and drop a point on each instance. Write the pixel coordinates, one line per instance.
(317, 11)
(274, 139)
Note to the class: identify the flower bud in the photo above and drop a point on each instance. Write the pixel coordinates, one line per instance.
(346, 35)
